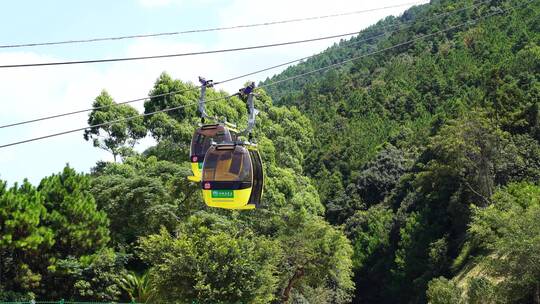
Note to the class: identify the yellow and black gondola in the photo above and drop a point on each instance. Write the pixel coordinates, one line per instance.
(201, 142)
(232, 176)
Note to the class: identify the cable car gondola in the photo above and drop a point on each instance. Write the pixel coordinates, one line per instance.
(206, 134)
(232, 174)
(201, 142)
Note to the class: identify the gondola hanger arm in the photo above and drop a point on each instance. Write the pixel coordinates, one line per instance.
(249, 92)
(202, 99)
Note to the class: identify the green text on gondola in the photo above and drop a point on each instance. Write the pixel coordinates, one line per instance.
(222, 194)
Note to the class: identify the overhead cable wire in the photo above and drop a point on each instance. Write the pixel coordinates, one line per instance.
(393, 46)
(250, 73)
(359, 41)
(209, 29)
(236, 49)
(269, 84)
(94, 108)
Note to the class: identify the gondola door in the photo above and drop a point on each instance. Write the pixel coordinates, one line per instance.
(258, 178)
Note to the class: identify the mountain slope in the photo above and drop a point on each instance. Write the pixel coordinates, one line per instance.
(423, 131)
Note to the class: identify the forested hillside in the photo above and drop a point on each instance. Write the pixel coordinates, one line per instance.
(408, 176)
(428, 155)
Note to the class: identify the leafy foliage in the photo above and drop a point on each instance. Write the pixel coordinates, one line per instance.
(509, 229)
(23, 237)
(140, 288)
(206, 265)
(54, 239)
(143, 194)
(443, 291)
(120, 136)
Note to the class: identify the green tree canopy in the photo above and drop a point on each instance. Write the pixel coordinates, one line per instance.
(23, 237)
(509, 230)
(211, 262)
(114, 127)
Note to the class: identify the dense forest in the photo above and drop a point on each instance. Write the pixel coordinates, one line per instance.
(411, 175)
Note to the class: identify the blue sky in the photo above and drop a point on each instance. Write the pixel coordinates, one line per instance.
(37, 21)
(35, 92)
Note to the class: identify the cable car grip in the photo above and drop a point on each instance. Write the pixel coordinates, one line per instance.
(202, 99)
(248, 91)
